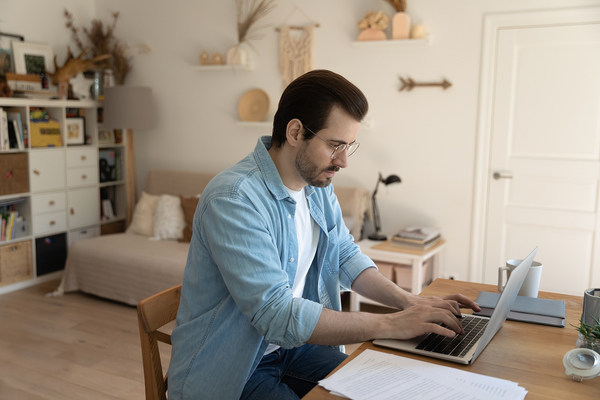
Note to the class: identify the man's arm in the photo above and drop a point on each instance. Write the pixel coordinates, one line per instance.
(420, 314)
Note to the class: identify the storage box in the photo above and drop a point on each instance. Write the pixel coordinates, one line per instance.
(82, 234)
(14, 175)
(403, 275)
(16, 263)
(386, 269)
(50, 253)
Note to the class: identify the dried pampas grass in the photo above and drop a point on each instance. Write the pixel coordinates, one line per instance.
(399, 5)
(249, 12)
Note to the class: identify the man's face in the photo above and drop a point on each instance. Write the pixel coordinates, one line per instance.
(313, 160)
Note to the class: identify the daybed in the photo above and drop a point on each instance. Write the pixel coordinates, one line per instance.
(128, 267)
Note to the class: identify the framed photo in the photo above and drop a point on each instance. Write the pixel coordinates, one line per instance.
(32, 58)
(75, 131)
(6, 59)
(106, 137)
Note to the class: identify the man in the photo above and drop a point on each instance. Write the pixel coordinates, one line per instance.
(260, 307)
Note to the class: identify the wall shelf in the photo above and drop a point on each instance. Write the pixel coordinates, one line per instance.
(394, 43)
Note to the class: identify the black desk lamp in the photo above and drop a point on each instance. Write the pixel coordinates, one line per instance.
(376, 219)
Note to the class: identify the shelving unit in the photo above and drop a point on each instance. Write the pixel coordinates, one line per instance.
(61, 200)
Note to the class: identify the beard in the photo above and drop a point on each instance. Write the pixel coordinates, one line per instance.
(309, 171)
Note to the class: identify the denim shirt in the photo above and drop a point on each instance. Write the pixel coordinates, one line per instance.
(236, 295)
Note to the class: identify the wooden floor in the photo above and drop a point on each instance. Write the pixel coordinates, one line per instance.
(74, 346)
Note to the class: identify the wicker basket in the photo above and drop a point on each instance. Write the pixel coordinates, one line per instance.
(15, 262)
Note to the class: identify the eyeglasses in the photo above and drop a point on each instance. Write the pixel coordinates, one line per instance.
(340, 148)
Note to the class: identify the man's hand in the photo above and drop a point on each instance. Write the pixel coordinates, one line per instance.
(421, 319)
(453, 302)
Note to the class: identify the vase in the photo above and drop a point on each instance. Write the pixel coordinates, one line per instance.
(236, 55)
(371, 34)
(97, 88)
(587, 343)
(400, 26)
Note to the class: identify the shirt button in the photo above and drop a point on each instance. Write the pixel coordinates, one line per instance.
(292, 259)
(289, 216)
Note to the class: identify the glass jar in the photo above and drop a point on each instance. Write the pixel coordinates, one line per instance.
(97, 88)
(587, 343)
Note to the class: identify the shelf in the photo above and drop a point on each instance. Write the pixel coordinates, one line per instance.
(394, 43)
(247, 67)
(110, 221)
(22, 102)
(110, 145)
(17, 240)
(112, 183)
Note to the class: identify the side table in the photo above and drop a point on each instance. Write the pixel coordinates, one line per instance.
(389, 254)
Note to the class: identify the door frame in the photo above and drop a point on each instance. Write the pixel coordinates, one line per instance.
(492, 24)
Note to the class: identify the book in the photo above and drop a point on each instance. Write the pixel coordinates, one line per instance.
(17, 134)
(417, 245)
(12, 136)
(525, 309)
(107, 210)
(419, 233)
(16, 116)
(5, 145)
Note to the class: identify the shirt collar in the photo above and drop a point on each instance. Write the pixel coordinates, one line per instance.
(269, 170)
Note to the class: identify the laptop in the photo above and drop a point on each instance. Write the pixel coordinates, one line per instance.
(479, 331)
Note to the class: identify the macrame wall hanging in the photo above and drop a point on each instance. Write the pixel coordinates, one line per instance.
(295, 51)
(296, 47)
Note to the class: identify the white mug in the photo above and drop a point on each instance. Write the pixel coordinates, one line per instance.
(531, 284)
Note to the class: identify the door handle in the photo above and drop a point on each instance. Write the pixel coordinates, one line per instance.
(498, 175)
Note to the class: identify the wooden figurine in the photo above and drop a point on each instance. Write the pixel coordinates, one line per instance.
(217, 59)
(204, 58)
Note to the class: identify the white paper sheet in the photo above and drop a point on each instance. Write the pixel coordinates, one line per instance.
(375, 375)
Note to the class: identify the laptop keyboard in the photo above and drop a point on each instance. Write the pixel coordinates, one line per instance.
(460, 344)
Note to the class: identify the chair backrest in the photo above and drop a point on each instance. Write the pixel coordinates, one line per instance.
(153, 313)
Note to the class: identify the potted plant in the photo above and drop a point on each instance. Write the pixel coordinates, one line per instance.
(589, 335)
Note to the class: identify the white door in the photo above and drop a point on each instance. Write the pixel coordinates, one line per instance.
(544, 159)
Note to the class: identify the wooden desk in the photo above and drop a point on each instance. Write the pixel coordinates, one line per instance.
(520, 352)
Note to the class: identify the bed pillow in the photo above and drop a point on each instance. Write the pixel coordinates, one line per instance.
(168, 218)
(188, 205)
(143, 215)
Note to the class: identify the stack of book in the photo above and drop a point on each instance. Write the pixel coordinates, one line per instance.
(416, 238)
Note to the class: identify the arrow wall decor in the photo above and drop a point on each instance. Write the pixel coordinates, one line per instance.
(409, 84)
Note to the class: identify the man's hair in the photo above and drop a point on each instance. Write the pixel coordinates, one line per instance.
(311, 97)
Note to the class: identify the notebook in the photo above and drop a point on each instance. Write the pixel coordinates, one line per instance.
(526, 309)
(479, 331)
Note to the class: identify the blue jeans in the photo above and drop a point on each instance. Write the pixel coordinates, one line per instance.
(291, 373)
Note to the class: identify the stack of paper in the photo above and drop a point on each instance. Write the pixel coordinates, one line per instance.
(375, 375)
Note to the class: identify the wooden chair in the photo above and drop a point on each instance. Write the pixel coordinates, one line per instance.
(153, 313)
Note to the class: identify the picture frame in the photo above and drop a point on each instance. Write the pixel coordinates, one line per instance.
(75, 131)
(32, 58)
(106, 137)
(7, 63)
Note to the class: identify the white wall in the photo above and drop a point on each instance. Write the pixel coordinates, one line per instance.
(426, 136)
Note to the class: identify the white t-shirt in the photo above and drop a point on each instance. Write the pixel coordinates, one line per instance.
(307, 232)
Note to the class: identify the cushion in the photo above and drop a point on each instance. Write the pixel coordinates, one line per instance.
(188, 205)
(168, 218)
(142, 222)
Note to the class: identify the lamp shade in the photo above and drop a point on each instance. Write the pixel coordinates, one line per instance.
(128, 107)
